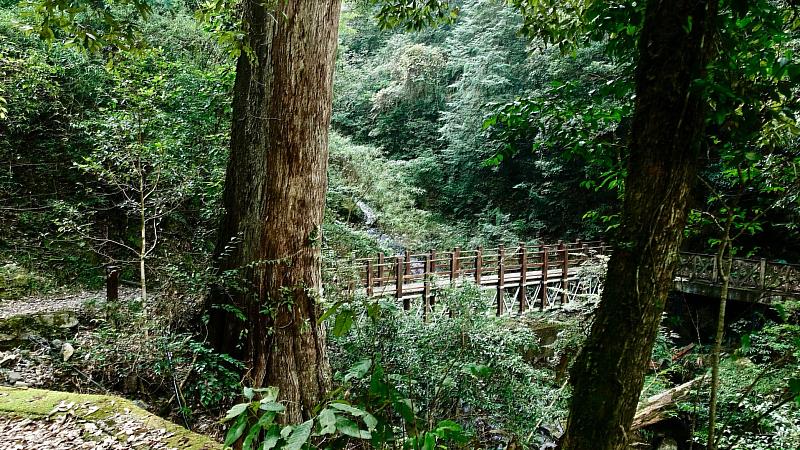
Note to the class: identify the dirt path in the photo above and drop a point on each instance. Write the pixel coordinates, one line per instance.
(48, 304)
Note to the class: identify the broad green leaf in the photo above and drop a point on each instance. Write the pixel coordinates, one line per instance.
(271, 439)
(269, 394)
(330, 311)
(344, 320)
(251, 436)
(272, 406)
(236, 430)
(478, 370)
(235, 411)
(430, 442)
(404, 408)
(358, 370)
(299, 436)
(348, 408)
(348, 427)
(370, 421)
(266, 419)
(248, 393)
(327, 421)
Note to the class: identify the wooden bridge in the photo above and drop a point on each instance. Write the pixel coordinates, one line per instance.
(544, 275)
(752, 280)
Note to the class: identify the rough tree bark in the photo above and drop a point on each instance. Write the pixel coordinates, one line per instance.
(269, 241)
(668, 123)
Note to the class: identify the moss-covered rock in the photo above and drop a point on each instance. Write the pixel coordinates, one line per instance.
(47, 324)
(110, 412)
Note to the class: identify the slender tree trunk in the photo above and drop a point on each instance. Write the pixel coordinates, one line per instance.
(668, 122)
(724, 262)
(724, 265)
(269, 242)
(143, 231)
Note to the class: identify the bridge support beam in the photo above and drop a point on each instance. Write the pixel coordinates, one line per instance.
(501, 280)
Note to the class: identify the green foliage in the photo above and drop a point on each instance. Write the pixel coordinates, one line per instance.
(16, 282)
(338, 423)
(394, 92)
(757, 403)
(471, 368)
(255, 424)
(87, 128)
(152, 359)
(576, 23)
(214, 376)
(368, 189)
(89, 25)
(414, 15)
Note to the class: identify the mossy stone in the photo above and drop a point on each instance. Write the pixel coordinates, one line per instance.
(38, 404)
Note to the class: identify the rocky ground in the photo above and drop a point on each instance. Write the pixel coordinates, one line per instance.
(34, 332)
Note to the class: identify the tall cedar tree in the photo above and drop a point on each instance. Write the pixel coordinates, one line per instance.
(274, 201)
(607, 377)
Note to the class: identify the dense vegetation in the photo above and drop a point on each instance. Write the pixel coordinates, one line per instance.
(503, 122)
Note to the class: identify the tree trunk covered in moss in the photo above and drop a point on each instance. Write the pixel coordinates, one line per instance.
(668, 124)
(269, 242)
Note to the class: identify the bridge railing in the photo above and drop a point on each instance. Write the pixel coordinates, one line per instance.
(751, 274)
(413, 273)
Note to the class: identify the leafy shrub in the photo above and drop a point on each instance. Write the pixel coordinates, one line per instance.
(759, 394)
(150, 360)
(471, 367)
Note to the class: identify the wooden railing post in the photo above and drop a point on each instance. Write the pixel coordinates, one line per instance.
(426, 285)
(478, 265)
(501, 278)
(381, 269)
(762, 274)
(454, 265)
(602, 247)
(407, 270)
(432, 276)
(369, 278)
(399, 282)
(523, 277)
(585, 251)
(112, 283)
(545, 268)
(352, 284)
(564, 272)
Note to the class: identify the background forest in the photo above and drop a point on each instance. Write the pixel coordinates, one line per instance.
(472, 133)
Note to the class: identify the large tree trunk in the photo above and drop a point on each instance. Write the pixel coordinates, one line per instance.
(269, 242)
(668, 122)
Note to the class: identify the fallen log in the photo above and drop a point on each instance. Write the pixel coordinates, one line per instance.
(657, 408)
